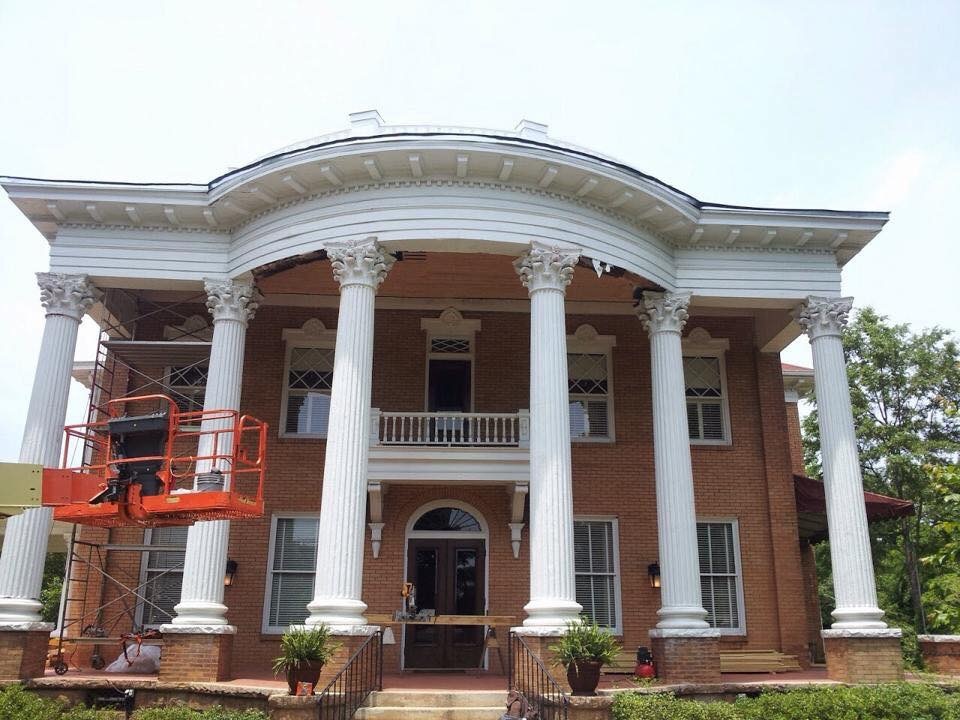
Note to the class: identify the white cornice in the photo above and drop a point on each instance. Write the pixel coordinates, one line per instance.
(342, 162)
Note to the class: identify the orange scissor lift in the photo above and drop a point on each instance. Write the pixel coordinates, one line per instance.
(153, 469)
(160, 468)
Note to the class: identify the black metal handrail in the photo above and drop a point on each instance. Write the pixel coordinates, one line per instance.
(351, 687)
(527, 675)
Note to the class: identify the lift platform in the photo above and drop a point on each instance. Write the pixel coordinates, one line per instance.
(159, 467)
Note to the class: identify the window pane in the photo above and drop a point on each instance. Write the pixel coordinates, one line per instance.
(702, 376)
(712, 414)
(579, 419)
(295, 546)
(446, 519)
(164, 575)
(308, 413)
(289, 595)
(587, 380)
(719, 574)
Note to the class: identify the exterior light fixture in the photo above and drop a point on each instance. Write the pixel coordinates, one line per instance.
(231, 573)
(653, 570)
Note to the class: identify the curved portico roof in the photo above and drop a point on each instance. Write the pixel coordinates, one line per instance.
(372, 152)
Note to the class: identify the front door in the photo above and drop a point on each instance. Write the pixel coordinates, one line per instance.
(449, 578)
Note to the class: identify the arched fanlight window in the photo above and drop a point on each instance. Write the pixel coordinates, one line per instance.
(448, 519)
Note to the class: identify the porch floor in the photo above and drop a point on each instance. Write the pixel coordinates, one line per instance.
(435, 681)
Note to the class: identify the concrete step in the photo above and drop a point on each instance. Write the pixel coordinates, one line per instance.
(430, 712)
(438, 698)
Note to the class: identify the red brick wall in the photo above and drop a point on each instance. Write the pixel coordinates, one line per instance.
(795, 436)
(747, 480)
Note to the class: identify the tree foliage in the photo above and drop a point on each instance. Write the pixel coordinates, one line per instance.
(904, 391)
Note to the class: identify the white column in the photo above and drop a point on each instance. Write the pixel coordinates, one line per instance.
(66, 298)
(231, 303)
(823, 319)
(359, 267)
(546, 272)
(663, 316)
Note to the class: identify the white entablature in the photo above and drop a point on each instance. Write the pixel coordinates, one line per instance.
(492, 191)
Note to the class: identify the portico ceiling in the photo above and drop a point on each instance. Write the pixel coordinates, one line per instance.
(372, 154)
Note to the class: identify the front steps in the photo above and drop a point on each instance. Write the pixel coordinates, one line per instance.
(434, 705)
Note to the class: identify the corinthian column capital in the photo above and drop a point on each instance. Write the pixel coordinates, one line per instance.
(231, 299)
(820, 316)
(69, 295)
(360, 262)
(663, 311)
(546, 267)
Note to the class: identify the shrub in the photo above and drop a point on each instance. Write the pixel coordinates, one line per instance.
(19, 704)
(182, 712)
(897, 701)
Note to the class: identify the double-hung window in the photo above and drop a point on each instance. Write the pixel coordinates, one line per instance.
(187, 385)
(590, 384)
(308, 380)
(704, 379)
(596, 568)
(161, 575)
(291, 569)
(721, 578)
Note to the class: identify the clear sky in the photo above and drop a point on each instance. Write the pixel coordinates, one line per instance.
(849, 105)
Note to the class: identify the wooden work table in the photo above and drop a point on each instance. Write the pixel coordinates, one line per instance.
(493, 620)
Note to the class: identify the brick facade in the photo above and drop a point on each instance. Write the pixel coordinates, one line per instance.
(196, 657)
(941, 654)
(748, 480)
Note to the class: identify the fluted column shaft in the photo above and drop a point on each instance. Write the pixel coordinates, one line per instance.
(359, 268)
(823, 319)
(546, 272)
(66, 298)
(232, 304)
(663, 316)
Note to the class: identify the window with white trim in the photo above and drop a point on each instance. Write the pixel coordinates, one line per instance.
(706, 398)
(596, 569)
(187, 385)
(721, 581)
(588, 378)
(290, 572)
(309, 382)
(161, 575)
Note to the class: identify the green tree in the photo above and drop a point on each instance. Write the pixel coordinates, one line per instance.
(902, 388)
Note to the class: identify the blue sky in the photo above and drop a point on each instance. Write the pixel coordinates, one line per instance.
(850, 105)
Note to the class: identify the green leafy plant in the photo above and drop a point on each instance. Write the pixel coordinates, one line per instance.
(585, 641)
(182, 712)
(894, 701)
(300, 646)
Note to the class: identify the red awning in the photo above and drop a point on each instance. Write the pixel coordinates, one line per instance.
(810, 499)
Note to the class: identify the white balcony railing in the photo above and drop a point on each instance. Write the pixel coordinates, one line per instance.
(439, 429)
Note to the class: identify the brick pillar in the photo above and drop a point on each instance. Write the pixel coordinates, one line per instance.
(863, 657)
(23, 653)
(941, 653)
(679, 659)
(781, 501)
(195, 657)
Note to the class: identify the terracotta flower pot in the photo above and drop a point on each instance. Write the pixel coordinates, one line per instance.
(584, 676)
(308, 672)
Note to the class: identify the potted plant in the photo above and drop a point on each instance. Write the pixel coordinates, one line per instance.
(583, 650)
(303, 653)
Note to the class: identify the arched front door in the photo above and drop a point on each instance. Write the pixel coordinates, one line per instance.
(446, 553)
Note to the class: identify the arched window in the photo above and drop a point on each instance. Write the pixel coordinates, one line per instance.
(448, 519)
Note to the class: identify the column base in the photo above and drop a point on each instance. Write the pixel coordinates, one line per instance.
(23, 650)
(863, 656)
(551, 614)
(337, 613)
(196, 654)
(941, 653)
(686, 656)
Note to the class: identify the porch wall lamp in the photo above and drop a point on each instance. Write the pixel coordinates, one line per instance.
(653, 570)
(231, 573)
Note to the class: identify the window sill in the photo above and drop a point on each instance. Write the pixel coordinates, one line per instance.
(593, 441)
(301, 436)
(711, 444)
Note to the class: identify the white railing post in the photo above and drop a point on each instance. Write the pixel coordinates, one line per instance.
(524, 437)
(374, 426)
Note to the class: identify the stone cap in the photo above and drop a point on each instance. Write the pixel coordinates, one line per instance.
(862, 633)
(939, 638)
(684, 633)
